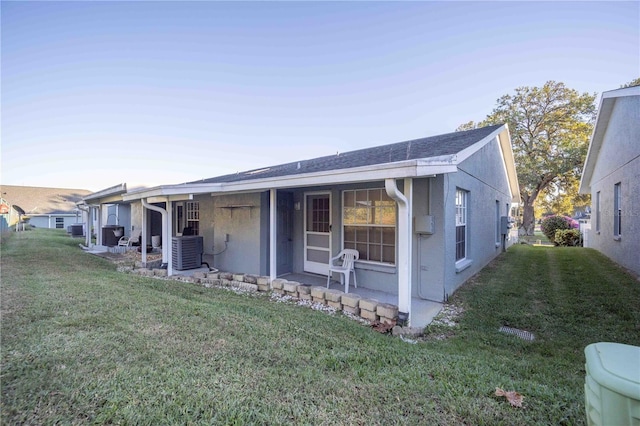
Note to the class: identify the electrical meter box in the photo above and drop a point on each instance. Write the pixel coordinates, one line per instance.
(423, 224)
(505, 224)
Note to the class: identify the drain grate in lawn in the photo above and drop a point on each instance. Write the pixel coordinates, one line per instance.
(525, 335)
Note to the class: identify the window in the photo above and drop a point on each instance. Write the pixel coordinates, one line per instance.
(617, 210)
(461, 224)
(193, 217)
(318, 213)
(598, 211)
(179, 222)
(59, 222)
(369, 220)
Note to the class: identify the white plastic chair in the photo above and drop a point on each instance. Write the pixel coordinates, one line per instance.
(125, 241)
(348, 257)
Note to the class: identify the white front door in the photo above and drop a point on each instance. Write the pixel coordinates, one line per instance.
(317, 232)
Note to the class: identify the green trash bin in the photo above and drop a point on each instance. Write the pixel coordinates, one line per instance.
(612, 384)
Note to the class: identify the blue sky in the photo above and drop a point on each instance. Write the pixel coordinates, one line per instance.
(99, 93)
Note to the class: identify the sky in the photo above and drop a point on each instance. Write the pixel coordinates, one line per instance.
(94, 94)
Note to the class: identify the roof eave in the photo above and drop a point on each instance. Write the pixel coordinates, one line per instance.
(402, 169)
(111, 194)
(607, 102)
(171, 191)
(504, 140)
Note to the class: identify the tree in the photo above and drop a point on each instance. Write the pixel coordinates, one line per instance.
(550, 127)
(632, 83)
(467, 126)
(565, 201)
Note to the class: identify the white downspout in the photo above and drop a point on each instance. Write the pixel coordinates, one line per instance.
(404, 245)
(273, 198)
(166, 259)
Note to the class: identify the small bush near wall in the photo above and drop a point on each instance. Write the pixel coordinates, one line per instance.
(551, 224)
(568, 238)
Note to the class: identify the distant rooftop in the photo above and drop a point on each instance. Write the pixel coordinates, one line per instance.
(35, 200)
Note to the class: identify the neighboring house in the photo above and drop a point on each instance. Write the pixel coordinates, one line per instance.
(611, 175)
(45, 207)
(106, 211)
(425, 215)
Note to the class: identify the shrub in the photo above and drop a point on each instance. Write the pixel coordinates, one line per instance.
(551, 224)
(568, 238)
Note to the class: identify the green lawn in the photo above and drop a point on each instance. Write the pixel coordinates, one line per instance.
(85, 344)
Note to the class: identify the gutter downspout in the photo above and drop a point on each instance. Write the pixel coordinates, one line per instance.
(404, 245)
(166, 259)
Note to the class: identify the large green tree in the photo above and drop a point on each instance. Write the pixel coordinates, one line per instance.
(550, 127)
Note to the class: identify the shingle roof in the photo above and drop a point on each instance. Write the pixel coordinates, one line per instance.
(434, 146)
(36, 200)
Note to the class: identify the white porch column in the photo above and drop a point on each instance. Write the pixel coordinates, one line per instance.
(273, 198)
(86, 218)
(166, 233)
(98, 213)
(143, 244)
(403, 262)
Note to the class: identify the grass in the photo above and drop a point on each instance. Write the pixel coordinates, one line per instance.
(537, 236)
(85, 344)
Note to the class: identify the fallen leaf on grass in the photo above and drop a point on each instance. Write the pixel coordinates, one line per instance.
(514, 398)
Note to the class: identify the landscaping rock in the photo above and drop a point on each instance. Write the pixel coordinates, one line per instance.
(351, 300)
(251, 279)
(278, 283)
(387, 310)
(332, 295)
(291, 288)
(318, 293)
(369, 315)
(369, 304)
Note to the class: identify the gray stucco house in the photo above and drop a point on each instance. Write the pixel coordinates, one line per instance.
(425, 215)
(611, 175)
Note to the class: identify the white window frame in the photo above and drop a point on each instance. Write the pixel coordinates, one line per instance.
(372, 222)
(617, 210)
(498, 235)
(461, 218)
(598, 212)
(192, 216)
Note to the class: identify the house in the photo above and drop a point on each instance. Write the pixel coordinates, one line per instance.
(425, 215)
(45, 207)
(611, 175)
